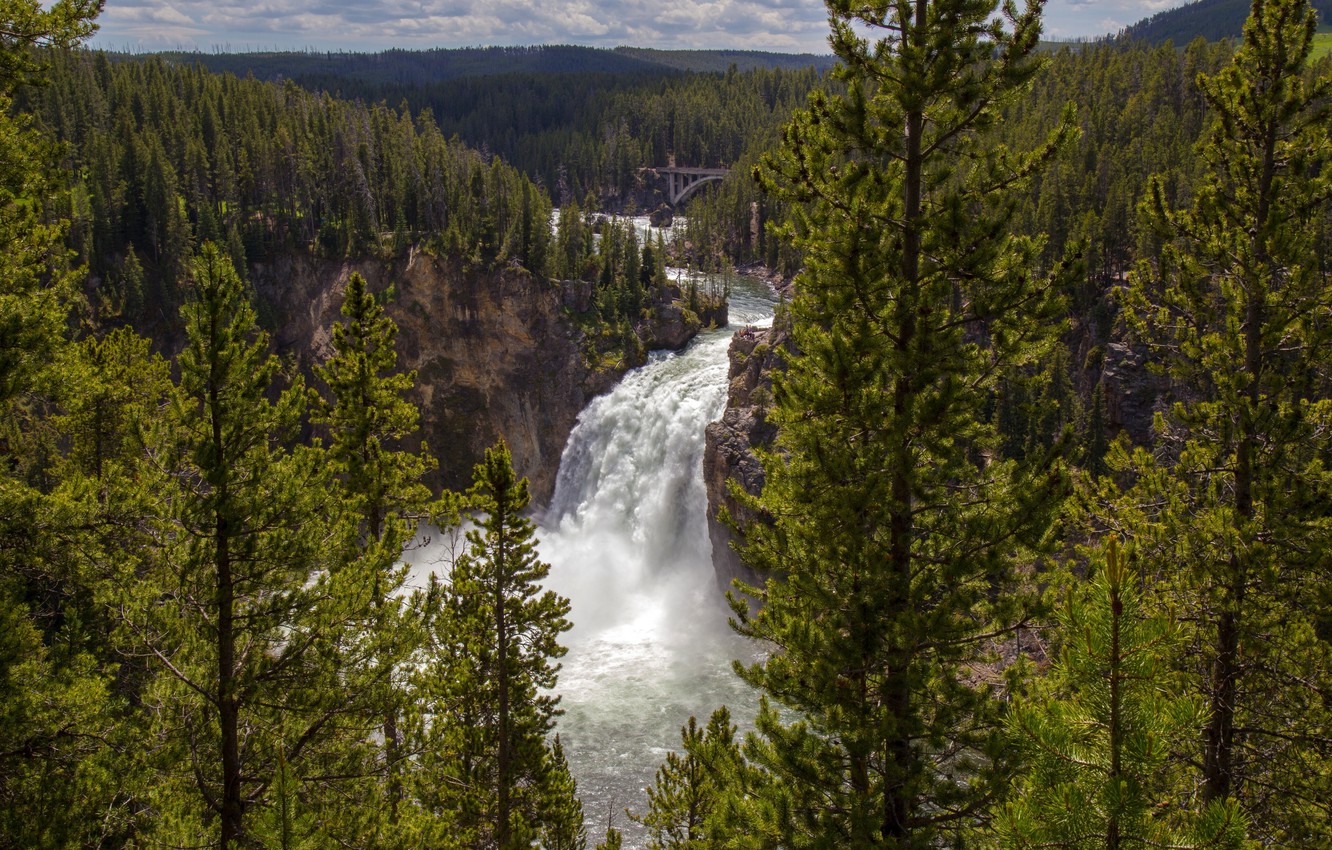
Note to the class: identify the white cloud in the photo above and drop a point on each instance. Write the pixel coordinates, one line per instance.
(369, 25)
(378, 24)
(1089, 18)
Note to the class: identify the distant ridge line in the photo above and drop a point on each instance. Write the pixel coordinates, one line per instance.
(401, 66)
(1212, 20)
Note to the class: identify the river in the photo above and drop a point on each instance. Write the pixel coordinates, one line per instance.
(626, 535)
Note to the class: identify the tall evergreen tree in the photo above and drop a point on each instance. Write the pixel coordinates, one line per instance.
(35, 280)
(574, 244)
(59, 714)
(1237, 310)
(27, 24)
(562, 815)
(490, 778)
(1099, 731)
(687, 802)
(368, 418)
(244, 611)
(62, 775)
(896, 533)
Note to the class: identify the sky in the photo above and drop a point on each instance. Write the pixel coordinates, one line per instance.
(788, 26)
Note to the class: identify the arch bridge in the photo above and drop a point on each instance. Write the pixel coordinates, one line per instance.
(683, 182)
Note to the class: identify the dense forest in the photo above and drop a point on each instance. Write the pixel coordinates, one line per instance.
(574, 119)
(590, 133)
(1044, 531)
(419, 67)
(166, 157)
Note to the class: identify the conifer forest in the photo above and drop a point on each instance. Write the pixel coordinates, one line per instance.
(1034, 520)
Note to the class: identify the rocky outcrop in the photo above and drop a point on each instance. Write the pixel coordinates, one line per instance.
(1133, 394)
(729, 450)
(671, 326)
(662, 216)
(496, 352)
(716, 314)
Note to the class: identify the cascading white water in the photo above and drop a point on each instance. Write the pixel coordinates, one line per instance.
(626, 536)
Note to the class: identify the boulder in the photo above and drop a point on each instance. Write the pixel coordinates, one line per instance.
(662, 216)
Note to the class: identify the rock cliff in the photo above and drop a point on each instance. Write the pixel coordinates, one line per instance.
(1134, 395)
(497, 352)
(729, 449)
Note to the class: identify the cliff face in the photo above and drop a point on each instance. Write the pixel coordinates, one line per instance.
(496, 352)
(1134, 395)
(728, 453)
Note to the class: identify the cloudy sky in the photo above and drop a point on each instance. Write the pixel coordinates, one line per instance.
(369, 25)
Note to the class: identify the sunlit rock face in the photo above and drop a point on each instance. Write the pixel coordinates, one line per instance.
(495, 352)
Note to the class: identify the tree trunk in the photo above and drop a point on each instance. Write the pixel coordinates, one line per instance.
(897, 804)
(505, 754)
(228, 710)
(1112, 837)
(1219, 737)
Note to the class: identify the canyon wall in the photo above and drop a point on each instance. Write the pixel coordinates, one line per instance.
(497, 352)
(729, 449)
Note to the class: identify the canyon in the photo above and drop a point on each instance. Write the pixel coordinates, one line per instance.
(497, 352)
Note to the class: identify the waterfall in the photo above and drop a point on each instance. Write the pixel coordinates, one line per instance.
(626, 535)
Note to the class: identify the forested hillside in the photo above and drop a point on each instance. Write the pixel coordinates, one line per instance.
(1140, 114)
(577, 120)
(593, 133)
(167, 157)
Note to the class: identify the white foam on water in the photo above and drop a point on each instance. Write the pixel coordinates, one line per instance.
(626, 535)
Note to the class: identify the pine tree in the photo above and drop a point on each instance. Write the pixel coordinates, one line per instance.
(1236, 501)
(26, 26)
(36, 283)
(896, 533)
(368, 418)
(1099, 732)
(489, 777)
(686, 803)
(61, 782)
(1094, 436)
(60, 715)
(574, 244)
(561, 815)
(243, 611)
